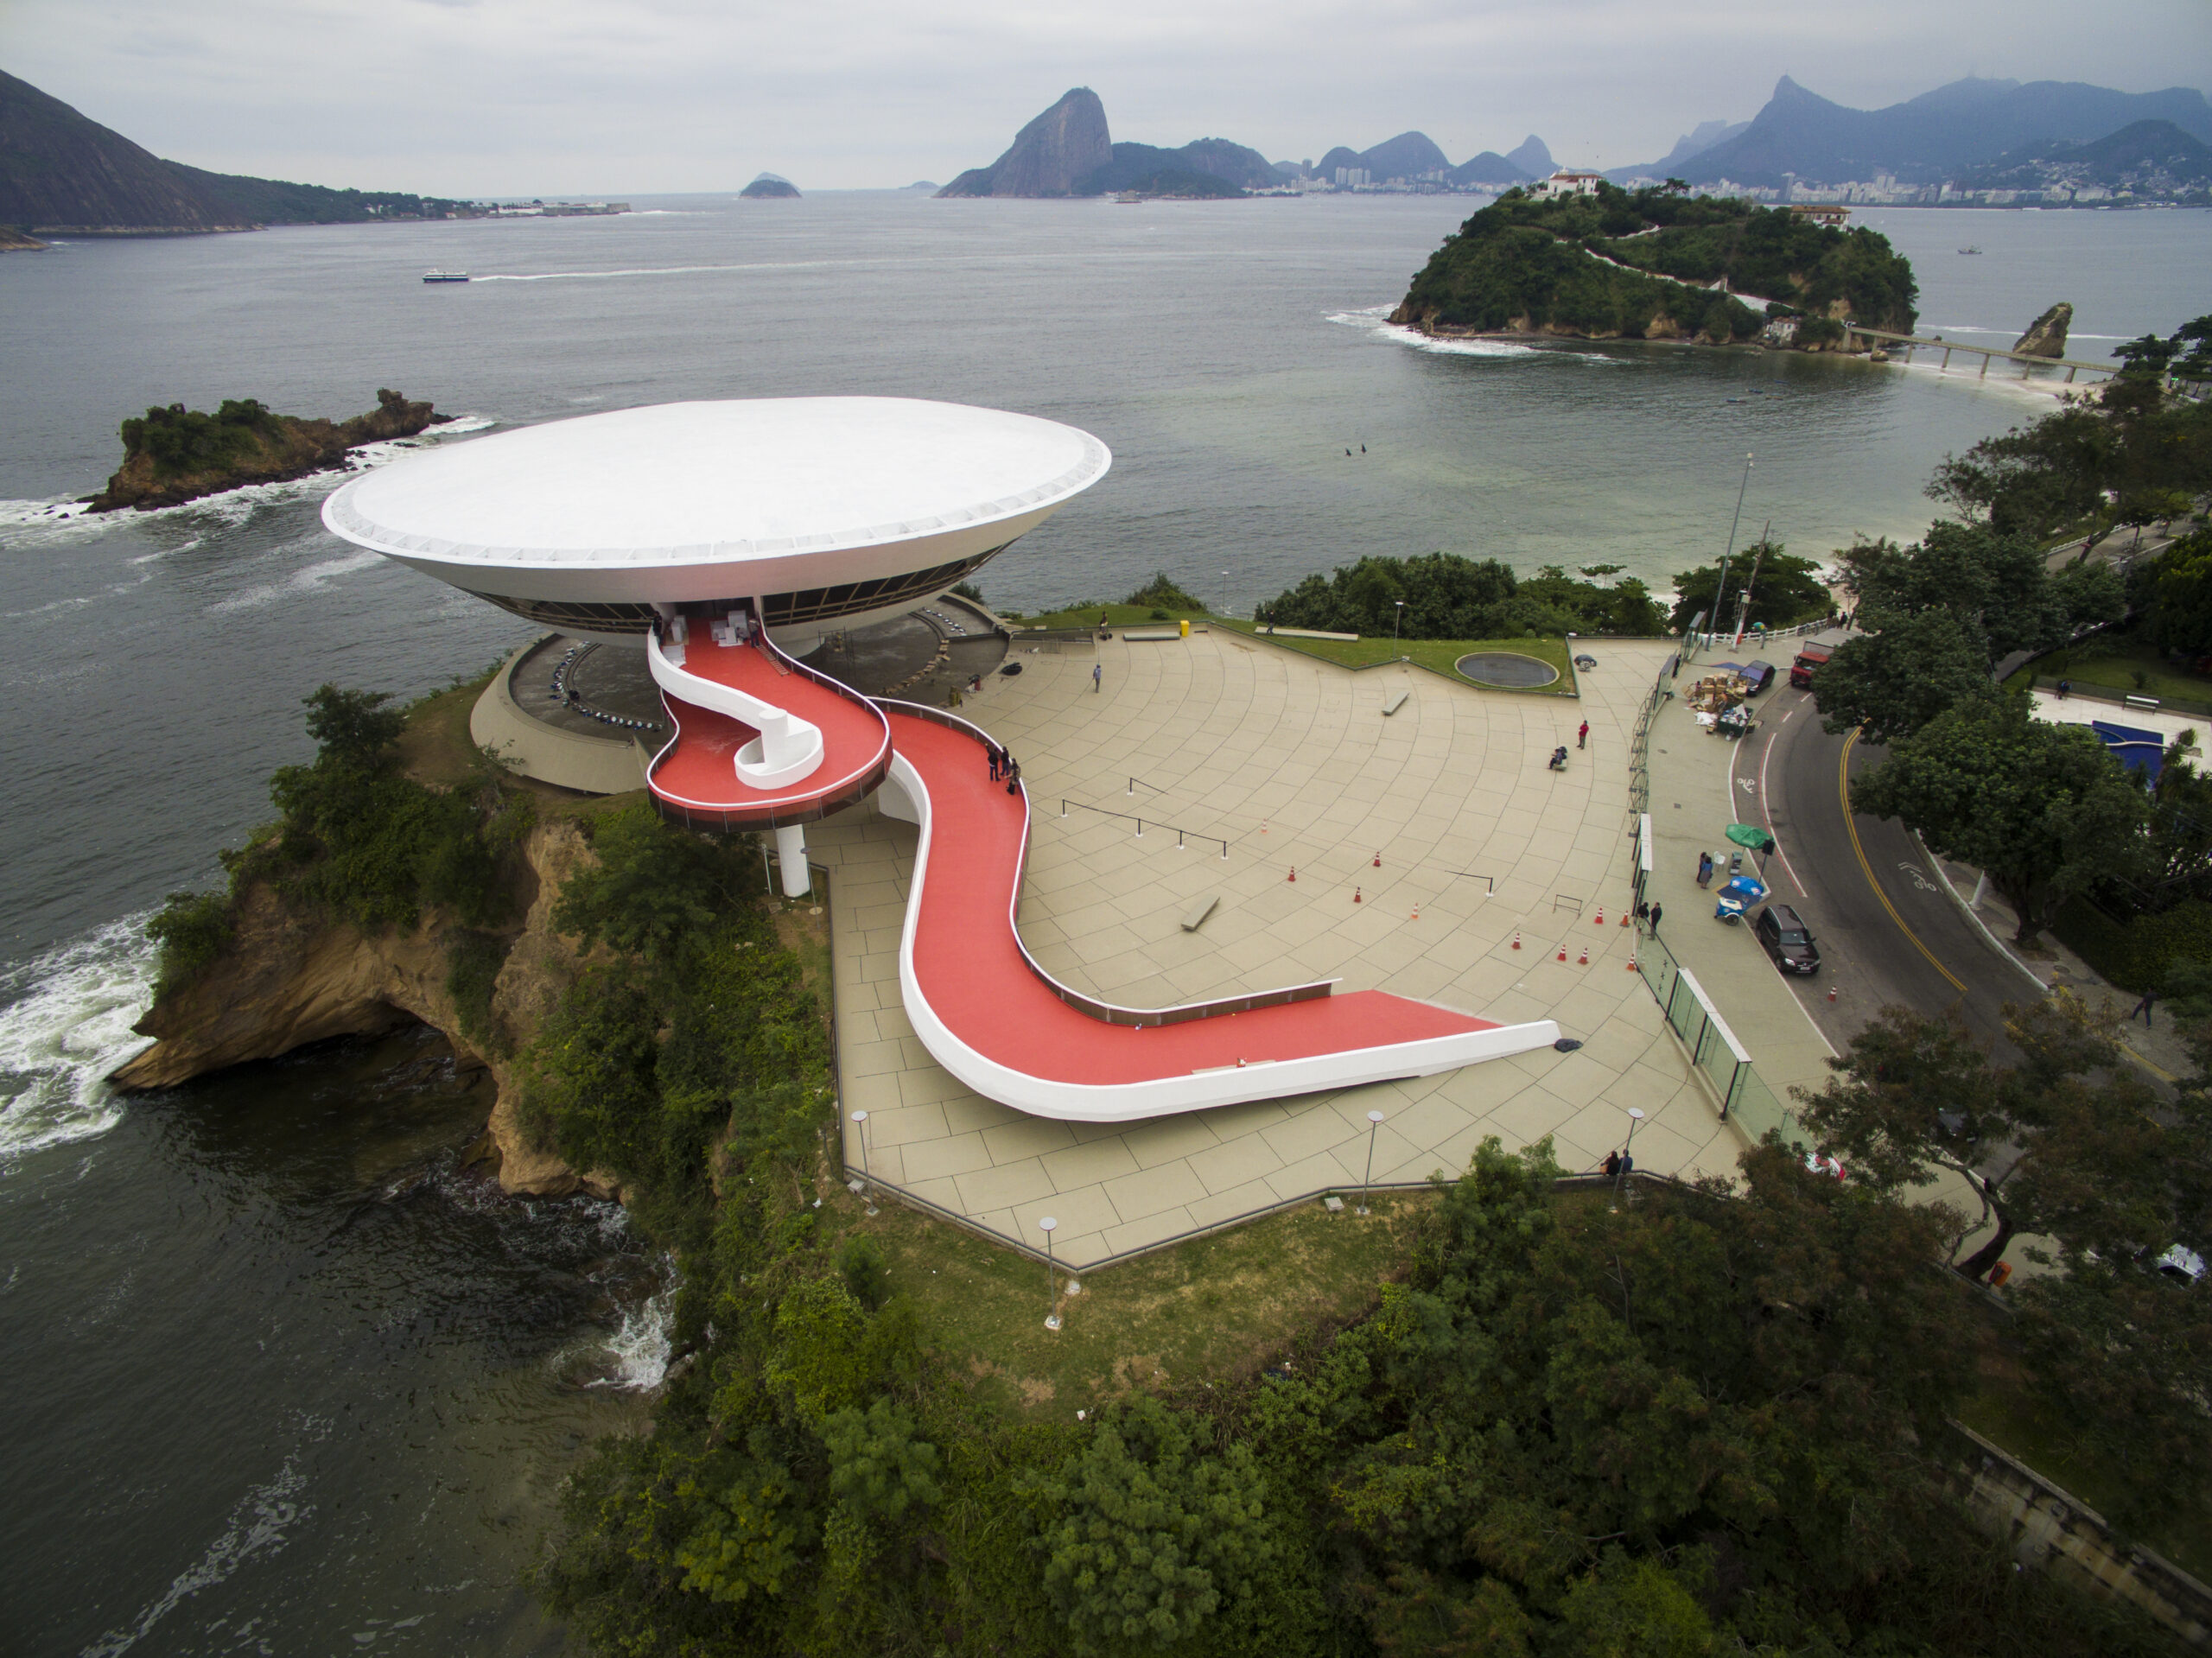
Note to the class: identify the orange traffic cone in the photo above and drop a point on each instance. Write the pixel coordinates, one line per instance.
(1293, 872)
(1516, 938)
(1631, 961)
(1601, 915)
(1624, 918)
(1584, 960)
(1416, 911)
(1355, 895)
(1562, 951)
(1378, 861)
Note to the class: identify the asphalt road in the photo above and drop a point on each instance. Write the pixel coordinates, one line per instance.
(1887, 929)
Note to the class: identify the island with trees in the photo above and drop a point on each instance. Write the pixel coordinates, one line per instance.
(1658, 264)
(174, 454)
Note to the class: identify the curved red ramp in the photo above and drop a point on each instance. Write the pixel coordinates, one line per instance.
(761, 741)
(996, 1020)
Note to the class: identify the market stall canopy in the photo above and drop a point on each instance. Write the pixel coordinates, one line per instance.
(1751, 836)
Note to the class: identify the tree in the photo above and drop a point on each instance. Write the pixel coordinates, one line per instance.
(2174, 593)
(1894, 683)
(2041, 810)
(354, 729)
(1992, 584)
(877, 1464)
(1787, 590)
(651, 889)
(1162, 593)
(2067, 1144)
(1146, 1530)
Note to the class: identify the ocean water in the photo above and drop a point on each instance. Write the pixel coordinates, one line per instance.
(283, 1376)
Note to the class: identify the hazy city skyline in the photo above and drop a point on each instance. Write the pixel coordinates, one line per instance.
(484, 97)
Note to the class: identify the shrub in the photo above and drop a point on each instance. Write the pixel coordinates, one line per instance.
(192, 929)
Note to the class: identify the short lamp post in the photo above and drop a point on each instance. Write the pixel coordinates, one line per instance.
(1052, 1294)
(1225, 593)
(1620, 1174)
(1366, 1185)
(1398, 621)
(861, 1118)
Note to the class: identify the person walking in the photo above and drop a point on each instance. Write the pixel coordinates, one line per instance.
(2064, 686)
(1097, 676)
(2144, 1007)
(1705, 869)
(1013, 775)
(1656, 911)
(1582, 737)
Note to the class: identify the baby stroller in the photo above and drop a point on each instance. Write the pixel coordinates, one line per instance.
(1559, 757)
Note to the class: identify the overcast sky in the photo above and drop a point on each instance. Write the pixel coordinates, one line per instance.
(498, 97)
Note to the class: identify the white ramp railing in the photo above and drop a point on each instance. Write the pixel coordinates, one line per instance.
(788, 748)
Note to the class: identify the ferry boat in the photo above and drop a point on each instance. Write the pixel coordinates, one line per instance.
(1969, 249)
(445, 276)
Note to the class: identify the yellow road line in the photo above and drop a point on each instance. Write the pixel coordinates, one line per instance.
(1843, 793)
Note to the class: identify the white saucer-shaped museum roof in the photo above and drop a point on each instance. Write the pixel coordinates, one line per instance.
(714, 483)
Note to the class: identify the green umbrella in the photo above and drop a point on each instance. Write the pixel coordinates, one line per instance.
(1751, 836)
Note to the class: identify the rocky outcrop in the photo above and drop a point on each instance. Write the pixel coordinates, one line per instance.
(1050, 157)
(14, 241)
(2046, 335)
(293, 975)
(770, 187)
(177, 455)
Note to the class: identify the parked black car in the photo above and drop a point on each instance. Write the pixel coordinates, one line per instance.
(1785, 937)
(1760, 675)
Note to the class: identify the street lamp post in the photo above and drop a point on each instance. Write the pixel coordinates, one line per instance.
(1397, 621)
(1052, 1293)
(1225, 593)
(1635, 1116)
(1374, 1122)
(1721, 592)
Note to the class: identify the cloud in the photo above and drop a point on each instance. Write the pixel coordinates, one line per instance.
(481, 97)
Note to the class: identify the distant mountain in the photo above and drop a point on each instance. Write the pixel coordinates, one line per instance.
(1489, 168)
(1929, 137)
(1695, 141)
(59, 168)
(1048, 157)
(769, 186)
(1533, 158)
(1133, 165)
(2148, 156)
(63, 171)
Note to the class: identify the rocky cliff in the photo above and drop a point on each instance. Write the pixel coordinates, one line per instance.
(14, 241)
(292, 975)
(1050, 157)
(2046, 335)
(177, 455)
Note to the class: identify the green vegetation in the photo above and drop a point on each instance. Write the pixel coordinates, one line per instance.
(2129, 453)
(1785, 590)
(2041, 810)
(360, 838)
(1526, 263)
(2126, 663)
(177, 440)
(1446, 596)
(1162, 593)
(276, 201)
(1940, 615)
(1438, 656)
(1702, 1423)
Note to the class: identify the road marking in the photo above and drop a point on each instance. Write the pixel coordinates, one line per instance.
(1767, 812)
(1843, 794)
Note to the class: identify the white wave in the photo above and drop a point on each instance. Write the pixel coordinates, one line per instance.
(67, 1026)
(639, 1350)
(660, 271)
(305, 581)
(1376, 320)
(258, 1525)
(71, 520)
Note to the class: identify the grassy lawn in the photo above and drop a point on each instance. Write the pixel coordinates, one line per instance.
(1438, 656)
(1216, 1309)
(2131, 669)
(1116, 616)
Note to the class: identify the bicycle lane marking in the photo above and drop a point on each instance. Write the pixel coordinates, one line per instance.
(1843, 797)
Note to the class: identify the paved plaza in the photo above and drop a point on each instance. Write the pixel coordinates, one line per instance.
(1292, 762)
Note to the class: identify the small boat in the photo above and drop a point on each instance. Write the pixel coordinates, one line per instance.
(1969, 249)
(445, 276)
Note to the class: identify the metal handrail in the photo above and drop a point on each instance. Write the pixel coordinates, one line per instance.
(1128, 817)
